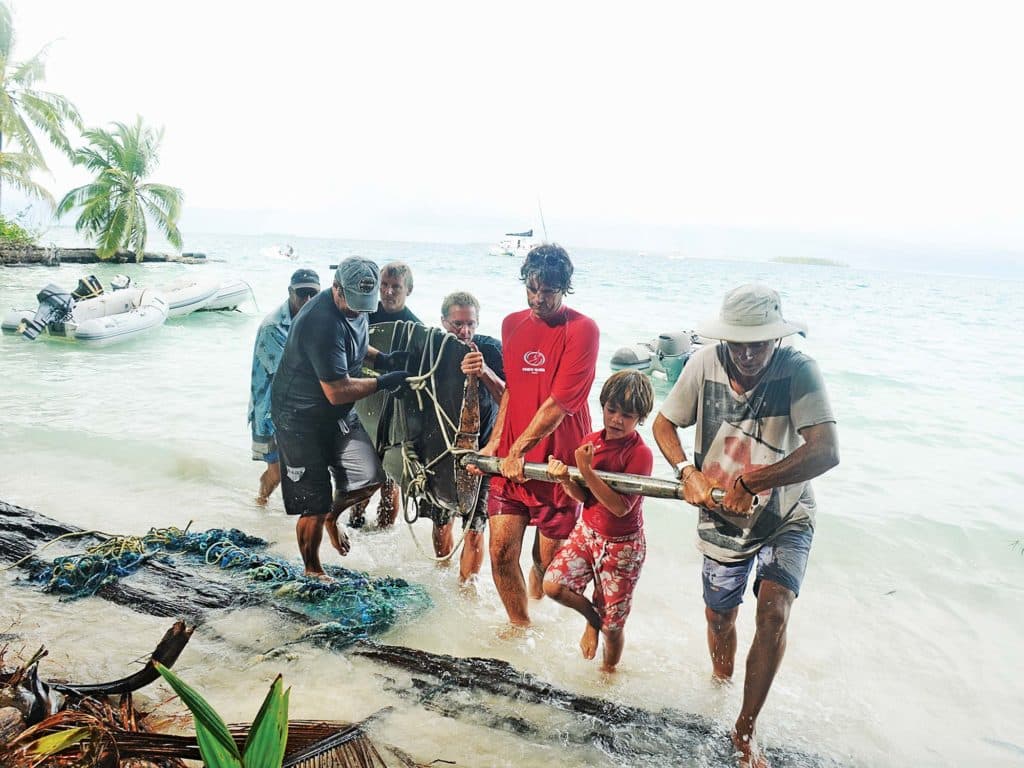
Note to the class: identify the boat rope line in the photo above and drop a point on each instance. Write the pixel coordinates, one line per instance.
(351, 607)
(415, 473)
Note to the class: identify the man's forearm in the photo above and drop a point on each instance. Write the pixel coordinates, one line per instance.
(494, 385)
(816, 456)
(499, 422)
(347, 390)
(666, 435)
(543, 423)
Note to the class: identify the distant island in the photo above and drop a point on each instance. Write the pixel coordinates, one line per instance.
(809, 260)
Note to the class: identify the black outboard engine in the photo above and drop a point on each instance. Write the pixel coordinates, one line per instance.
(54, 307)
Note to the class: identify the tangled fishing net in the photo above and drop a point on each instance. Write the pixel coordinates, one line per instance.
(352, 606)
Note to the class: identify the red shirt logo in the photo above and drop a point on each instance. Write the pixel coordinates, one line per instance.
(534, 359)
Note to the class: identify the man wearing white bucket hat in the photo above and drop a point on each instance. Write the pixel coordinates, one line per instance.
(764, 428)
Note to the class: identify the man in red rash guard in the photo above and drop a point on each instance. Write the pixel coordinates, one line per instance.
(550, 353)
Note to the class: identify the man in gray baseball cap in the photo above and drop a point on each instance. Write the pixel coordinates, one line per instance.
(318, 433)
(764, 428)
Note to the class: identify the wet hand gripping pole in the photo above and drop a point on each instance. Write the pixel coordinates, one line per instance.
(620, 482)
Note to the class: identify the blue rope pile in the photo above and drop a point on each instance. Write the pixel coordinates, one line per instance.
(351, 607)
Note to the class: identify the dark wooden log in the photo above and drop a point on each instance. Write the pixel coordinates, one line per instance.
(157, 589)
(633, 735)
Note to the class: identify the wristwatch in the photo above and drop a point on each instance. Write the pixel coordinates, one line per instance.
(681, 467)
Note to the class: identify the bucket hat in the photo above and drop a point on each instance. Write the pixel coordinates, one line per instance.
(359, 278)
(749, 314)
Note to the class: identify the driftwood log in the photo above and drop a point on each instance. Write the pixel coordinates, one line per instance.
(158, 590)
(464, 688)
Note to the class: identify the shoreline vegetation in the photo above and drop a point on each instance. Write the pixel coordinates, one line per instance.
(117, 208)
(811, 260)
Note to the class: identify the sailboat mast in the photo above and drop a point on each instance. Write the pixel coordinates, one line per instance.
(543, 225)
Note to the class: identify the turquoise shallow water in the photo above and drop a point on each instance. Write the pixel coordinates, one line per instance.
(904, 646)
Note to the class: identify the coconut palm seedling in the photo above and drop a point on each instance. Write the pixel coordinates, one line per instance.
(265, 745)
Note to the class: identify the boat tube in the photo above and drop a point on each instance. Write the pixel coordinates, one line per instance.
(186, 295)
(230, 295)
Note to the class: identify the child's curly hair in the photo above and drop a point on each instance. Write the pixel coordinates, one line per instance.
(629, 391)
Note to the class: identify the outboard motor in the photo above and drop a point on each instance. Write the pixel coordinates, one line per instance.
(674, 350)
(54, 307)
(88, 288)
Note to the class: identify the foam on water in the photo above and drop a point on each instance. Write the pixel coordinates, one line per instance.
(904, 646)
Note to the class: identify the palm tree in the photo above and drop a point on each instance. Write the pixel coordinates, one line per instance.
(116, 204)
(24, 110)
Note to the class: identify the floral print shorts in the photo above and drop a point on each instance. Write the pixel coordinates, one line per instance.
(612, 563)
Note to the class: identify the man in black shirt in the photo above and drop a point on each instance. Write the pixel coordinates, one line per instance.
(317, 382)
(460, 313)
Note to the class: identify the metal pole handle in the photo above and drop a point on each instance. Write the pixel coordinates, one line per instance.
(620, 482)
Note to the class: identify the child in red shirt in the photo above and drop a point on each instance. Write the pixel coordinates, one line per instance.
(607, 545)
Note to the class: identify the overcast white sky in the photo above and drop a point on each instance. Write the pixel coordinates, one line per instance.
(363, 119)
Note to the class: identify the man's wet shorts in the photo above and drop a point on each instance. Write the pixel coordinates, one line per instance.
(783, 560)
(553, 522)
(313, 451)
(476, 522)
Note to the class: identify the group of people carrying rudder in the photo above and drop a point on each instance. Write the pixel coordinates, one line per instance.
(764, 428)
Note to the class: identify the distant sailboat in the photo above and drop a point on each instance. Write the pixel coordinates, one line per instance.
(519, 244)
(516, 244)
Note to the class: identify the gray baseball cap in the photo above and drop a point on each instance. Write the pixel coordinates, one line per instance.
(359, 278)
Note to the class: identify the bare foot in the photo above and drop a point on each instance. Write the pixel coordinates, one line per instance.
(319, 576)
(468, 589)
(339, 539)
(721, 682)
(513, 632)
(749, 754)
(588, 643)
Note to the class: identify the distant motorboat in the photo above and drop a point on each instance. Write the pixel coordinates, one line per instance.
(108, 318)
(516, 244)
(279, 251)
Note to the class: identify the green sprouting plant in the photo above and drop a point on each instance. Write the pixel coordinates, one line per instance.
(264, 747)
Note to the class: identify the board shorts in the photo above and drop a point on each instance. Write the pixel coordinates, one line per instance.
(264, 448)
(553, 522)
(612, 563)
(476, 522)
(783, 561)
(314, 452)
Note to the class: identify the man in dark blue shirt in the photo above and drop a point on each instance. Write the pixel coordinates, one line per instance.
(460, 313)
(316, 384)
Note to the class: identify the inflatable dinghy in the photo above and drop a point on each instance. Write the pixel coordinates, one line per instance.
(104, 318)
